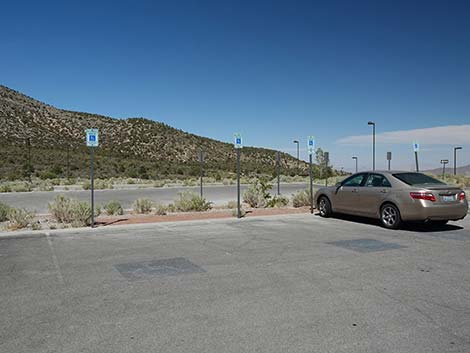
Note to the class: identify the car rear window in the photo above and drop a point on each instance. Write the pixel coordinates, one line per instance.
(417, 179)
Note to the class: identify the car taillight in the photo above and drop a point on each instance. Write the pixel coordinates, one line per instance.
(429, 196)
(462, 196)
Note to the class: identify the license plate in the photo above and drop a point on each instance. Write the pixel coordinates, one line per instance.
(448, 198)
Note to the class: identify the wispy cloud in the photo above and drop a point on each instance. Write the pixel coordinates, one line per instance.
(439, 135)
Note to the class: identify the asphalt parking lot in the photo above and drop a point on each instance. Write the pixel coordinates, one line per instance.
(294, 283)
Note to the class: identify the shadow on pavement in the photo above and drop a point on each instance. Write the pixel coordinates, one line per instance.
(412, 227)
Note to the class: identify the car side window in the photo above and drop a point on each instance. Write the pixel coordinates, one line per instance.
(377, 180)
(355, 180)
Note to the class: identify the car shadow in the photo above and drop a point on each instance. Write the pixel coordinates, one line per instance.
(411, 227)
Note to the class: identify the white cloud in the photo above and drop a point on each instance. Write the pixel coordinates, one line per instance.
(439, 135)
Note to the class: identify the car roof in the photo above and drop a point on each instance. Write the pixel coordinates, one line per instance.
(386, 171)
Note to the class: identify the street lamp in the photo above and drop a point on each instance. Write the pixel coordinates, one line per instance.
(455, 159)
(297, 142)
(444, 162)
(373, 143)
(356, 162)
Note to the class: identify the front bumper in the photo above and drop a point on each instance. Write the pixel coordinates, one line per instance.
(422, 210)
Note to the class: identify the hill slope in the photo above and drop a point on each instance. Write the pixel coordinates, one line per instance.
(50, 142)
(464, 170)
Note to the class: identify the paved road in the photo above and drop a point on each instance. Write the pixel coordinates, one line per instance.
(39, 200)
(273, 284)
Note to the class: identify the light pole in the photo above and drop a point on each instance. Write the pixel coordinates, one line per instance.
(455, 158)
(444, 162)
(356, 162)
(297, 142)
(373, 143)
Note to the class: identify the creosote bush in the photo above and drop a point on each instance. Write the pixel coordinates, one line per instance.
(189, 201)
(70, 211)
(113, 208)
(4, 208)
(19, 218)
(142, 206)
(257, 195)
(278, 201)
(160, 210)
(301, 198)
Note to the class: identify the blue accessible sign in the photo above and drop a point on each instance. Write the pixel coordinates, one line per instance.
(92, 138)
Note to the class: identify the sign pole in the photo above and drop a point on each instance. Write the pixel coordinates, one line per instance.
(201, 160)
(327, 158)
(92, 177)
(238, 184)
(311, 183)
(278, 162)
(416, 160)
(92, 142)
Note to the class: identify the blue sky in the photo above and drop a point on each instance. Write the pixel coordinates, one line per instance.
(274, 71)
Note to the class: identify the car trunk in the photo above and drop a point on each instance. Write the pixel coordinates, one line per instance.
(443, 193)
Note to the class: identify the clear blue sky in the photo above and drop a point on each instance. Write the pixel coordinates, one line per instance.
(273, 70)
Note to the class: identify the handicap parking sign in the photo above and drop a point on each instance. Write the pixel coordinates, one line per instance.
(238, 142)
(416, 146)
(311, 144)
(92, 139)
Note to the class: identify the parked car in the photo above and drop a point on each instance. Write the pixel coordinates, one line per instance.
(394, 197)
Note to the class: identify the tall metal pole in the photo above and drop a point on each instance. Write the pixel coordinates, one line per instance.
(92, 177)
(278, 163)
(238, 184)
(355, 158)
(311, 183)
(416, 160)
(455, 159)
(327, 158)
(201, 161)
(443, 170)
(389, 164)
(297, 142)
(373, 143)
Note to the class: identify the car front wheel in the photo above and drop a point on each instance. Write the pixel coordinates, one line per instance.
(324, 207)
(390, 216)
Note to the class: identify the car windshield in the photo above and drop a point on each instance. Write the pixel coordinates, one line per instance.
(417, 179)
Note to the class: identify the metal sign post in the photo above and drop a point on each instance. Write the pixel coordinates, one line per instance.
(416, 150)
(444, 162)
(311, 151)
(238, 144)
(92, 141)
(278, 164)
(389, 158)
(327, 159)
(201, 161)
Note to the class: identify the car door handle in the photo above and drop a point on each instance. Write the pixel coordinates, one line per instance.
(354, 190)
(383, 191)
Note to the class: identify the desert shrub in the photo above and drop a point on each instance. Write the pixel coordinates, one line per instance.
(189, 182)
(160, 209)
(69, 211)
(227, 181)
(159, 183)
(113, 208)
(5, 188)
(257, 195)
(142, 206)
(232, 204)
(99, 184)
(4, 208)
(189, 201)
(20, 187)
(19, 218)
(301, 198)
(278, 201)
(171, 208)
(44, 186)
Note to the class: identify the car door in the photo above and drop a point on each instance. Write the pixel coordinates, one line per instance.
(374, 192)
(347, 195)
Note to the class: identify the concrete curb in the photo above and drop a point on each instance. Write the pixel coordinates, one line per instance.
(105, 229)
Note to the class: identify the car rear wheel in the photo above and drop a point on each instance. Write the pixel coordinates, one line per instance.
(324, 207)
(390, 216)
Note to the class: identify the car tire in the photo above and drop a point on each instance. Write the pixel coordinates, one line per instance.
(324, 207)
(390, 216)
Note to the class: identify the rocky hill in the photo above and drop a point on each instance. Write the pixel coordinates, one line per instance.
(39, 138)
(465, 170)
